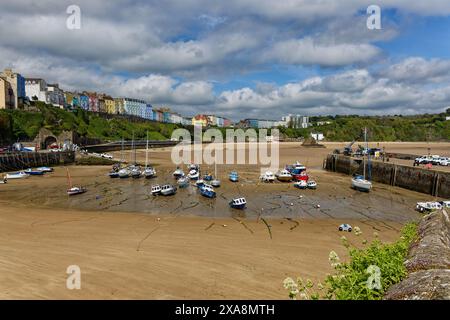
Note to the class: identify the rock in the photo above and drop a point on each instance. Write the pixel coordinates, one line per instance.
(422, 285)
(428, 262)
(432, 250)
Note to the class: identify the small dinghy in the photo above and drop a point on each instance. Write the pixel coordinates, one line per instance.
(178, 173)
(207, 191)
(234, 176)
(34, 172)
(312, 184)
(149, 173)
(156, 190)
(215, 183)
(284, 176)
(183, 182)
(268, 177)
(16, 175)
(45, 169)
(168, 190)
(238, 203)
(302, 184)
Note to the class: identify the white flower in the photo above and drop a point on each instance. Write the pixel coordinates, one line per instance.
(357, 231)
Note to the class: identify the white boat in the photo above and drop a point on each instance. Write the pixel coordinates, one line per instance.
(215, 182)
(199, 183)
(16, 175)
(311, 184)
(149, 172)
(361, 184)
(168, 190)
(45, 169)
(124, 173)
(428, 206)
(183, 182)
(136, 172)
(76, 190)
(71, 190)
(238, 203)
(178, 173)
(268, 176)
(156, 189)
(193, 174)
(301, 184)
(284, 176)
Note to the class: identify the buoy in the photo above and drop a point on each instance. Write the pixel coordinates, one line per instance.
(224, 225)
(318, 206)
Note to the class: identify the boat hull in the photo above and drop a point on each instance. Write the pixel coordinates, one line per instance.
(361, 185)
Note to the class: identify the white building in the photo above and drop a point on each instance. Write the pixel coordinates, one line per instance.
(176, 118)
(447, 118)
(296, 121)
(267, 124)
(318, 136)
(36, 88)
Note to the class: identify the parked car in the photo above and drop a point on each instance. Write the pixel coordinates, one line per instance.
(423, 160)
(345, 227)
(444, 161)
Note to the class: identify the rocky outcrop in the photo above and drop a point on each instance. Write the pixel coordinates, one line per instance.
(428, 262)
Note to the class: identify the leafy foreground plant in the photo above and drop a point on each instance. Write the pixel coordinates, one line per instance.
(368, 274)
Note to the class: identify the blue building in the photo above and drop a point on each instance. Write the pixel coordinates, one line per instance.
(148, 112)
(135, 107)
(84, 102)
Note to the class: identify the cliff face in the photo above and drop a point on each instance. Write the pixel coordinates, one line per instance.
(428, 262)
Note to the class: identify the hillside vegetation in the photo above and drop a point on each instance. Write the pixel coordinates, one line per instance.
(23, 126)
(427, 127)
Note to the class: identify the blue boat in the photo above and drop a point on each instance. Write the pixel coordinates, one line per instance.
(34, 172)
(207, 177)
(207, 191)
(238, 203)
(113, 174)
(234, 177)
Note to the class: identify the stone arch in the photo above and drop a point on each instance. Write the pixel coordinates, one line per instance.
(49, 140)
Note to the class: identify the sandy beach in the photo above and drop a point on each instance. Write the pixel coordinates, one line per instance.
(130, 245)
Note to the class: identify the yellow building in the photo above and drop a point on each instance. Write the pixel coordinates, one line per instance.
(6, 94)
(110, 105)
(119, 105)
(200, 120)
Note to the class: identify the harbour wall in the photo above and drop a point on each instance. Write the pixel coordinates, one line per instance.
(435, 183)
(24, 160)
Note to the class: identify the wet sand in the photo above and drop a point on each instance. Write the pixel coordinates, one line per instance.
(130, 244)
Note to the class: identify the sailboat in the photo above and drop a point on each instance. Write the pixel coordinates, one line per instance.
(135, 170)
(149, 172)
(71, 190)
(207, 191)
(215, 182)
(359, 182)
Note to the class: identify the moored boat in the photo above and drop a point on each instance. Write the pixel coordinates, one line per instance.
(207, 177)
(168, 190)
(361, 184)
(32, 172)
(301, 184)
(268, 176)
(183, 182)
(238, 203)
(193, 174)
(199, 183)
(16, 175)
(311, 184)
(45, 169)
(149, 172)
(124, 173)
(73, 190)
(284, 176)
(178, 173)
(136, 172)
(234, 176)
(207, 191)
(113, 174)
(156, 190)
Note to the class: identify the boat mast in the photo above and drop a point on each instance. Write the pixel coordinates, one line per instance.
(146, 153)
(121, 153)
(69, 179)
(364, 159)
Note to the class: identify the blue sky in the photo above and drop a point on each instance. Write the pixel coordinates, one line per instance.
(260, 58)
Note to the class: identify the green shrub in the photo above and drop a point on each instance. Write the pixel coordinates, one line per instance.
(352, 280)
